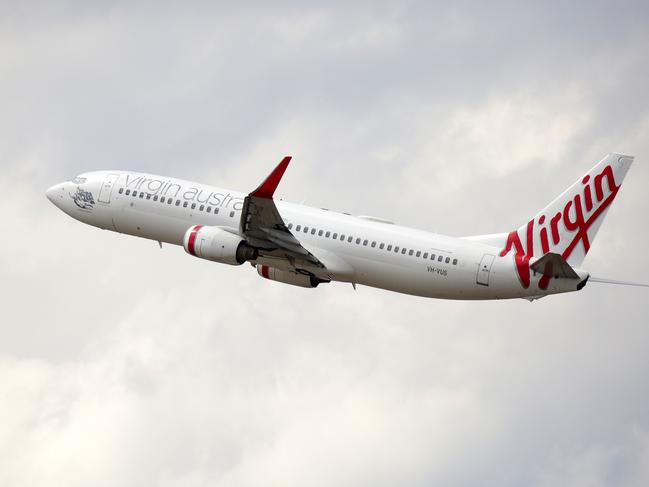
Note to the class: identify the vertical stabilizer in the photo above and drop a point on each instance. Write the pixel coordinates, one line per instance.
(569, 224)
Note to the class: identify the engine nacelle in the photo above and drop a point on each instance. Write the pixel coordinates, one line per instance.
(217, 245)
(288, 277)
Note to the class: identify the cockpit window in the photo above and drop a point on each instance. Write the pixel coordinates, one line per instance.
(79, 180)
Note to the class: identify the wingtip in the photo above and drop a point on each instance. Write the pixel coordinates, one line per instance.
(268, 187)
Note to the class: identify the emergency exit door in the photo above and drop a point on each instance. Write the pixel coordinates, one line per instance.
(484, 270)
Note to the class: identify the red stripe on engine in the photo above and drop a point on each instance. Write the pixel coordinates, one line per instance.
(264, 271)
(192, 240)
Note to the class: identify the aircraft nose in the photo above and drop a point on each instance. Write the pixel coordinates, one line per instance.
(55, 194)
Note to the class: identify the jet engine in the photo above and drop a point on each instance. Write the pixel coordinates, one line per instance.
(288, 277)
(218, 245)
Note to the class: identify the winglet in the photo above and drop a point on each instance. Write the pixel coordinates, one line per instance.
(268, 187)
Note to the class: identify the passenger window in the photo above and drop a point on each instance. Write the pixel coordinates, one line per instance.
(364, 243)
(185, 204)
(403, 251)
(418, 253)
(425, 255)
(448, 259)
(141, 195)
(439, 259)
(306, 229)
(319, 233)
(128, 191)
(313, 231)
(350, 238)
(454, 261)
(162, 199)
(432, 256)
(121, 190)
(373, 244)
(389, 247)
(290, 225)
(193, 206)
(169, 201)
(209, 209)
(396, 249)
(410, 252)
(216, 210)
(382, 245)
(334, 236)
(298, 228)
(155, 197)
(202, 207)
(177, 202)
(148, 196)
(327, 234)
(232, 214)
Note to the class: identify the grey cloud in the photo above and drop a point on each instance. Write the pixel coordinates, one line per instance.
(124, 364)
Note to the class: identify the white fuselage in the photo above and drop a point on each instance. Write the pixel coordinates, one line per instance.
(355, 249)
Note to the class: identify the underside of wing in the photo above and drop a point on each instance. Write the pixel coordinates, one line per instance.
(264, 228)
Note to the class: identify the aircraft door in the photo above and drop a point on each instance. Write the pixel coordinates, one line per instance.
(107, 188)
(485, 269)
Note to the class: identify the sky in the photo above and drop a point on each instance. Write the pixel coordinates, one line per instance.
(125, 364)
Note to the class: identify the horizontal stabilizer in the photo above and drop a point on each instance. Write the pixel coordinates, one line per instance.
(622, 283)
(553, 265)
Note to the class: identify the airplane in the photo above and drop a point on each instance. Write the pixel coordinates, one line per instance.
(304, 246)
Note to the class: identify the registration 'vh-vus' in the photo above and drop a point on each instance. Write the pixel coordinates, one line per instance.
(304, 246)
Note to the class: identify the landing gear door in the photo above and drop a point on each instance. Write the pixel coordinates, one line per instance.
(107, 188)
(485, 269)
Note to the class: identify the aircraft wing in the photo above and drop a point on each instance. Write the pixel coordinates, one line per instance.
(263, 227)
